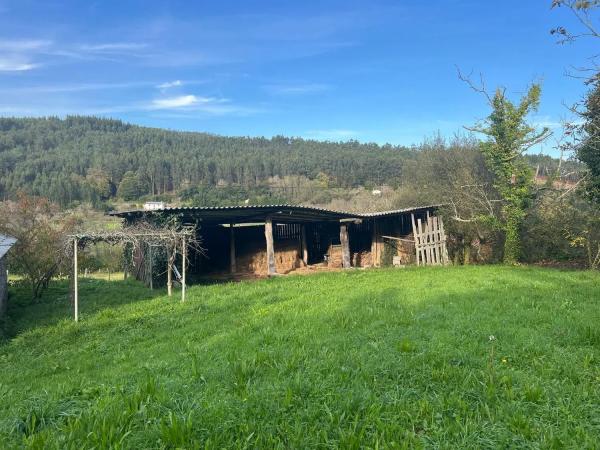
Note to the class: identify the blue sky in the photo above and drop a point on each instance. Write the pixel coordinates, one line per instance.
(374, 71)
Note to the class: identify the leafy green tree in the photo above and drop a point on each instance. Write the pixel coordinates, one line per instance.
(40, 230)
(508, 137)
(129, 188)
(588, 151)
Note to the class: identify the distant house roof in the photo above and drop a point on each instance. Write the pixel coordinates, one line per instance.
(258, 213)
(6, 242)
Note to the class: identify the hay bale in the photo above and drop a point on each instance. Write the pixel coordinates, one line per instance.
(254, 260)
(334, 256)
(362, 259)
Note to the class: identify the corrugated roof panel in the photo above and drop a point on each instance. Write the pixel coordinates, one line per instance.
(6, 242)
(294, 210)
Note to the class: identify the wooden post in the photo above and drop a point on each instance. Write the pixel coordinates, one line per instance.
(303, 244)
(169, 273)
(151, 268)
(417, 239)
(374, 252)
(270, 247)
(232, 264)
(183, 262)
(345, 246)
(75, 287)
(443, 239)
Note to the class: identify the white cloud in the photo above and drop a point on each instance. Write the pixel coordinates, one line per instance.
(22, 45)
(112, 47)
(16, 54)
(183, 101)
(170, 84)
(175, 102)
(15, 65)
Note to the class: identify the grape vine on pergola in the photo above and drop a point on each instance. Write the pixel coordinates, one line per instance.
(173, 240)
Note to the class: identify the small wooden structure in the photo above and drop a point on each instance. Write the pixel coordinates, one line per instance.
(172, 240)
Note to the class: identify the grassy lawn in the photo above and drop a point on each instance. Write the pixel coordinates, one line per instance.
(474, 357)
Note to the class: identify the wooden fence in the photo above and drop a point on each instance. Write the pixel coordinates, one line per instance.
(430, 241)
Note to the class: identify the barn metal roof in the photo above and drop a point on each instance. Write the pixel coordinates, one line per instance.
(257, 213)
(6, 242)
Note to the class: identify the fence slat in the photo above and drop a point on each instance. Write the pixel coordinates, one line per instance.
(430, 241)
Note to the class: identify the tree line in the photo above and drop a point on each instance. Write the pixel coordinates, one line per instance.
(94, 159)
(90, 159)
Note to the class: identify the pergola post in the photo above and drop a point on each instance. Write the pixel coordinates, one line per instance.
(232, 263)
(303, 244)
(75, 287)
(270, 247)
(151, 267)
(345, 246)
(169, 273)
(183, 263)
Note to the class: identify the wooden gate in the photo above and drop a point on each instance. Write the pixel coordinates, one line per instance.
(430, 241)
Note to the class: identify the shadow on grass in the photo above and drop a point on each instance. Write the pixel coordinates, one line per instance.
(55, 304)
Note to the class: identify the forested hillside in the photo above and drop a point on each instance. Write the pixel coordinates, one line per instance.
(86, 158)
(95, 160)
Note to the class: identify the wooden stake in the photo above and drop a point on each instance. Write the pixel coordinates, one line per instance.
(417, 240)
(169, 274)
(151, 272)
(232, 264)
(345, 246)
(183, 262)
(445, 258)
(270, 247)
(75, 287)
(423, 239)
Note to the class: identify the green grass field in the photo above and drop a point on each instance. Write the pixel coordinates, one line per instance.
(473, 357)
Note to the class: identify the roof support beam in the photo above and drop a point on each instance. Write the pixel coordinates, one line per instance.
(345, 246)
(232, 263)
(303, 244)
(270, 247)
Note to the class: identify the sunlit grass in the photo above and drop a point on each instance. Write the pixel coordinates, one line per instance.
(376, 359)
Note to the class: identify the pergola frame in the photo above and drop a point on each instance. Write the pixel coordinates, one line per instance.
(170, 239)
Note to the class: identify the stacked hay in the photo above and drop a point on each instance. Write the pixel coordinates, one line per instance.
(334, 256)
(406, 250)
(362, 259)
(287, 258)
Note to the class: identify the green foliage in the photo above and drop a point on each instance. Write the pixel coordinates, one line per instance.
(362, 359)
(230, 195)
(508, 137)
(130, 187)
(589, 150)
(84, 158)
(40, 230)
(561, 228)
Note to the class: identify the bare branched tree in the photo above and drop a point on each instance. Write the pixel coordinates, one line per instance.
(583, 11)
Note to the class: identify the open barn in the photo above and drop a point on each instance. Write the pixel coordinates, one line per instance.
(258, 241)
